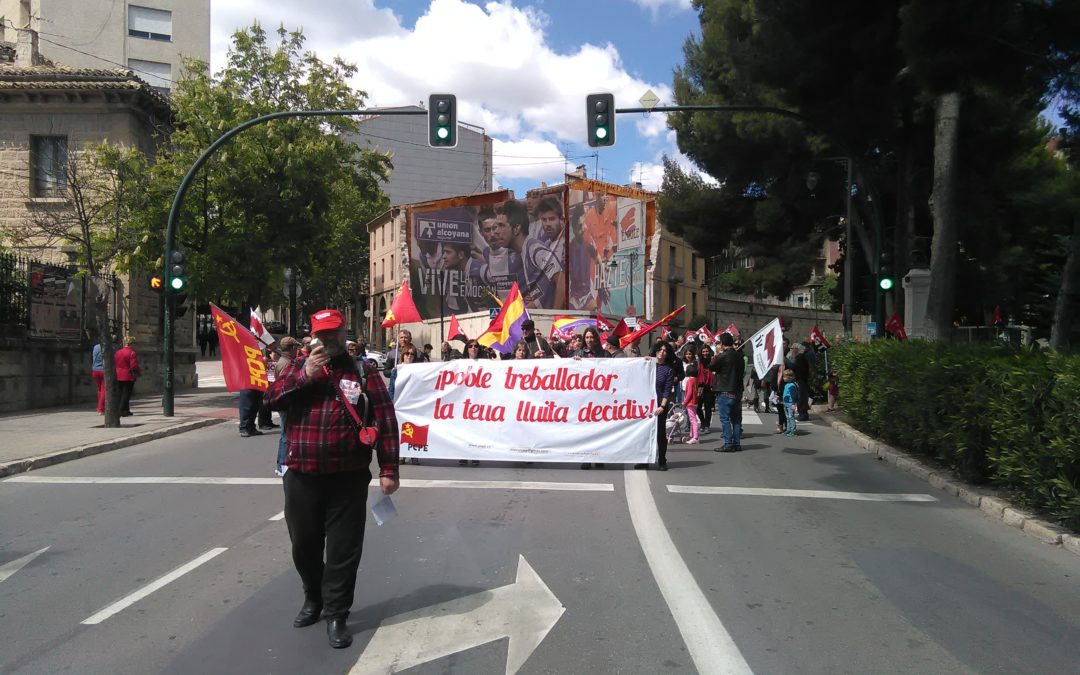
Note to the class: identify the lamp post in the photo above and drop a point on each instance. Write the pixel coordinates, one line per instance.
(812, 178)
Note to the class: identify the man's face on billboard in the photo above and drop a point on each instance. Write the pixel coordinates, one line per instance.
(552, 224)
(452, 258)
(503, 231)
(487, 231)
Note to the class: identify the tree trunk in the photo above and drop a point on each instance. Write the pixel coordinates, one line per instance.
(941, 304)
(1067, 293)
(904, 223)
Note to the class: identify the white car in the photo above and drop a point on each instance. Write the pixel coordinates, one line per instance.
(378, 358)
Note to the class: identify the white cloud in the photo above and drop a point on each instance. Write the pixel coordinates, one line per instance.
(495, 57)
(655, 6)
(537, 159)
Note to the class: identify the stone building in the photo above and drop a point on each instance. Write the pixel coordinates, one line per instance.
(49, 112)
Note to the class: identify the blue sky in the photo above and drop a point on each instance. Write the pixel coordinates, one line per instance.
(520, 69)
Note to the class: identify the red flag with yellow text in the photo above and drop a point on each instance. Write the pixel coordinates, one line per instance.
(242, 361)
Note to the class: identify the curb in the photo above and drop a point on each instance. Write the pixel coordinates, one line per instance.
(985, 500)
(60, 456)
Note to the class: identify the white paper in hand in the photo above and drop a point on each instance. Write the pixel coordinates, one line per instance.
(383, 510)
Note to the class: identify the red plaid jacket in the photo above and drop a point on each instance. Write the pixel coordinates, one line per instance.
(320, 434)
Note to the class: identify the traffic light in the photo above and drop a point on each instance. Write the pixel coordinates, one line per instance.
(157, 283)
(885, 272)
(442, 121)
(177, 281)
(600, 119)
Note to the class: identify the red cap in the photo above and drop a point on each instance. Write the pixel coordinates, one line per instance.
(326, 319)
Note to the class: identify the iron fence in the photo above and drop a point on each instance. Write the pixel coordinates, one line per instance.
(52, 301)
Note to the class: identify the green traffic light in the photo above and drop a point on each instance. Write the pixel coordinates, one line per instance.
(177, 283)
(443, 133)
(601, 133)
(886, 284)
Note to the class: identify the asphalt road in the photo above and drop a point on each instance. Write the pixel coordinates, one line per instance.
(705, 568)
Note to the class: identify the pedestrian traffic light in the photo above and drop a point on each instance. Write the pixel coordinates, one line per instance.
(885, 272)
(600, 119)
(177, 281)
(157, 283)
(442, 121)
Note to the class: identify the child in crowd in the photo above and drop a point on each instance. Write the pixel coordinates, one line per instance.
(833, 389)
(690, 400)
(791, 400)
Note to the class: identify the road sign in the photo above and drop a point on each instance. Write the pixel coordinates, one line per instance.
(649, 99)
(493, 312)
(871, 329)
(524, 611)
(157, 283)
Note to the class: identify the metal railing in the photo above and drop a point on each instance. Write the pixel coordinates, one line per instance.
(51, 301)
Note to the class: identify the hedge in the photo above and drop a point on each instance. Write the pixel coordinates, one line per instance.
(991, 413)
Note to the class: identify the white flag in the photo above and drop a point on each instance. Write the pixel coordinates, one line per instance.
(257, 328)
(768, 347)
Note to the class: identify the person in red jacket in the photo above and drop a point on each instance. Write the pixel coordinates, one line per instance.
(127, 371)
(328, 453)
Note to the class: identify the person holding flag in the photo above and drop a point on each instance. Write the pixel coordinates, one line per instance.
(728, 367)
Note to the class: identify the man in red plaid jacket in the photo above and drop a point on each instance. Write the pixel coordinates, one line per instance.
(327, 478)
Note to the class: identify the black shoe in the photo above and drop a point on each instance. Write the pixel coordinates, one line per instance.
(803, 418)
(476, 462)
(726, 448)
(269, 426)
(463, 462)
(737, 448)
(337, 631)
(414, 460)
(308, 615)
(245, 434)
(600, 465)
(586, 465)
(662, 467)
(639, 467)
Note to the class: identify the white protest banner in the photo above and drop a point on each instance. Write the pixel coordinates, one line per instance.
(768, 347)
(537, 410)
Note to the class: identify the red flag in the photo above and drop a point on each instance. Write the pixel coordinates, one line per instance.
(455, 332)
(730, 329)
(895, 325)
(621, 329)
(403, 309)
(646, 329)
(414, 434)
(704, 332)
(665, 333)
(997, 317)
(602, 324)
(242, 361)
(818, 340)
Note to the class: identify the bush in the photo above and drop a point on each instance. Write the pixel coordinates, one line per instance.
(990, 413)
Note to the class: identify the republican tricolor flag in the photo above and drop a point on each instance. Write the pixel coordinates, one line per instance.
(505, 331)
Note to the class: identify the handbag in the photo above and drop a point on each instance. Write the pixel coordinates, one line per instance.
(366, 434)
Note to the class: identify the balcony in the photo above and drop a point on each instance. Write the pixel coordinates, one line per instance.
(676, 274)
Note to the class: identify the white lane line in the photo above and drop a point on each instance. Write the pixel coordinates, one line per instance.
(811, 494)
(710, 645)
(219, 480)
(160, 582)
(505, 485)
(7, 569)
(280, 516)
(748, 417)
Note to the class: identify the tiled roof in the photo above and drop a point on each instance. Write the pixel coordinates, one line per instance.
(51, 76)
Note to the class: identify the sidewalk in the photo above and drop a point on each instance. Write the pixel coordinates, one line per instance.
(39, 438)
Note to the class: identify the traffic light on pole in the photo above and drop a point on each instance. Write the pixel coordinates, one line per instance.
(177, 281)
(885, 272)
(157, 283)
(442, 121)
(600, 119)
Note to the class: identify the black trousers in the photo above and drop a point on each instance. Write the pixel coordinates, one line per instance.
(125, 387)
(661, 439)
(706, 405)
(327, 512)
(250, 400)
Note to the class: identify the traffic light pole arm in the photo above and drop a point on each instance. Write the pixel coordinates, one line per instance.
(178, 202)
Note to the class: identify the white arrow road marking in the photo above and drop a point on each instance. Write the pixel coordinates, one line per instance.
(525, 611)
(279, 516)
(14, 566)
(160, 582)
(222, 480)
(811, 494)
(710, 645)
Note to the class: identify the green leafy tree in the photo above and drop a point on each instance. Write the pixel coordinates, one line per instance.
(288, 193)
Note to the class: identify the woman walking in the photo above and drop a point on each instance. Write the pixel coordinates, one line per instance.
(127, 371)
(665, 394)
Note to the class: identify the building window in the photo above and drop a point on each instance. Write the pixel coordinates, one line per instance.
(158, 75)
(672, 257)
(693, 304)
(671, 298)
(48, 165)
(149, 24)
